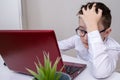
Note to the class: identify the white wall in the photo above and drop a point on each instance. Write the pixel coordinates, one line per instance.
(60, 15)
(10, 14)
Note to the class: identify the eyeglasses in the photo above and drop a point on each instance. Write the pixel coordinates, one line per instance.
(82, 33)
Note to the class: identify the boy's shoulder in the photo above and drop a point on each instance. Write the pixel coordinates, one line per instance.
(112, 44)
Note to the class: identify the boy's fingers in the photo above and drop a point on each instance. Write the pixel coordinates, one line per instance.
(83, 9)
(88, 6)
(94, 6)
(81, 16)
(99, 12)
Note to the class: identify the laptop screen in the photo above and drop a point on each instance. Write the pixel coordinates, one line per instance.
(20, 48)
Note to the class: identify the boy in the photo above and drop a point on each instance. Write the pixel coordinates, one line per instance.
(93, 43)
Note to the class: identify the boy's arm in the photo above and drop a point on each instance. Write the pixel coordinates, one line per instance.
(103, 60)
(67, 43)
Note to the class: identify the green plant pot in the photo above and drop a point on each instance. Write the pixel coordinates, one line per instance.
(64, 76)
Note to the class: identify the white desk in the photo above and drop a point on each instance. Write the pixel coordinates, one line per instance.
(6, 74)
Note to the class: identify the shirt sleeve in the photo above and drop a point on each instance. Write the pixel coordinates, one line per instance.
(103, 60)
(67, 43)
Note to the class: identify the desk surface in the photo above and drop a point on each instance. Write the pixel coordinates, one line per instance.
(6, 74)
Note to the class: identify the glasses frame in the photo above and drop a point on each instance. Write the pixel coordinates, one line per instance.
(85, 32)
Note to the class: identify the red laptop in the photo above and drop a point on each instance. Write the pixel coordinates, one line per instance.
(19, 49)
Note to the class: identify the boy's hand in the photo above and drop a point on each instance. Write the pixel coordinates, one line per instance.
(91, 18)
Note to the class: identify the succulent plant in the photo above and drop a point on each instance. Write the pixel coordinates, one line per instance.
(46, 71)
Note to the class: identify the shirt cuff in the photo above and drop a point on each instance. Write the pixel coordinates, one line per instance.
(94, 37)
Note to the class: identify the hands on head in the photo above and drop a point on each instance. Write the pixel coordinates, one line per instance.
(90, 17)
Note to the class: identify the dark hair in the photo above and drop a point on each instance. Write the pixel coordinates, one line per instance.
(106, 13)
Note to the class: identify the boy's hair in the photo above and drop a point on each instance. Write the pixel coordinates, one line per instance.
(106, 13)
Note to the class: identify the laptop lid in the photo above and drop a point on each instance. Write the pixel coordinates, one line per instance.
(20, 48)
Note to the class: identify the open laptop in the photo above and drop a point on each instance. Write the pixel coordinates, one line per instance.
(19, 49)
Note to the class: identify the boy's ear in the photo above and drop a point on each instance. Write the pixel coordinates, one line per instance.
(107, 32)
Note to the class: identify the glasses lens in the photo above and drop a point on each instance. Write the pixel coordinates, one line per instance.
(78, 32)
(81, 32)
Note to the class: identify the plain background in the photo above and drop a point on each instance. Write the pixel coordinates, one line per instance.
(10, 14)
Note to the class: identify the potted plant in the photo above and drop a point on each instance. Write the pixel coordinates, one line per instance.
(48, 71)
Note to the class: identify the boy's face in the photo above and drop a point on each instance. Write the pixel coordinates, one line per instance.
(103, 34)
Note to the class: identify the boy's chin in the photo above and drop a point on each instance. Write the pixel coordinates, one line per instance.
(86, 45)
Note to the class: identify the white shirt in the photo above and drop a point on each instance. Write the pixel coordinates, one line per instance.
(103, 56)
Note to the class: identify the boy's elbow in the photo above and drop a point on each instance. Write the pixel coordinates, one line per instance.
(104, 71)
(101, 74)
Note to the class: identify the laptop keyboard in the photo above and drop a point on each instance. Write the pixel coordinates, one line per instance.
(71, 69)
